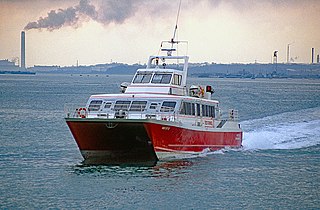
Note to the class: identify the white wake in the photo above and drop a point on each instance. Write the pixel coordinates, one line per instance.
(289, 130)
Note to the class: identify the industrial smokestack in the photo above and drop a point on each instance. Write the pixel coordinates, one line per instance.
(23, 50)
(312, 54)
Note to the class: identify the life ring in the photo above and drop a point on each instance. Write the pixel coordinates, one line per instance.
(82, 112)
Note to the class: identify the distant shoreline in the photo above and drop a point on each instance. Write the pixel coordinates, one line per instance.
(201, 70)
(204, 70)
(17, 72)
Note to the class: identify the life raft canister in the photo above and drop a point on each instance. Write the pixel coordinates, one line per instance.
(201, 92)
(82, 112)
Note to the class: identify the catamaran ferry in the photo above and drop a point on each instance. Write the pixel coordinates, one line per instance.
(154, 116)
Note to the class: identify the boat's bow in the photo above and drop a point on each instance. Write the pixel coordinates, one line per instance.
(113, 141)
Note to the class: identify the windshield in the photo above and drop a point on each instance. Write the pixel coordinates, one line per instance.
(142, 78)
(161, 78)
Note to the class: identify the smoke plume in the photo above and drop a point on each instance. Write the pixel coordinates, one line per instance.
(117, 11)
(108, 11)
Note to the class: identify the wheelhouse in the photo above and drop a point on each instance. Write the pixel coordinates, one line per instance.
(161, 77)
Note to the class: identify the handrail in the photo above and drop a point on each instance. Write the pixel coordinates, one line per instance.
(233, 115)
(135, 110)
(71, 110)
(138, 111)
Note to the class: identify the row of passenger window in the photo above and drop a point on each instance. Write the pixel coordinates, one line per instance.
(95, 105)
(157, 78)
(188, 108)
(166, 106)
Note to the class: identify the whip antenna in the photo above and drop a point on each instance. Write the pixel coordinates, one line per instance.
(172, 40)
(176, 27)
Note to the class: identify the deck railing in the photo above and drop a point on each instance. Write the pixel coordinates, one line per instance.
(233, 115)
(72, 110)
(123, 111)
(141, 112)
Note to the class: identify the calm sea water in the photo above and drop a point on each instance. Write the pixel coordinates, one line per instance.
(278, 166)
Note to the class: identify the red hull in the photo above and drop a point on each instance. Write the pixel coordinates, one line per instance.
(136, 141)
(172, 138)
(112, 142)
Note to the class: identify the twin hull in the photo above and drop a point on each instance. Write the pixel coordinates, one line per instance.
(128, 141)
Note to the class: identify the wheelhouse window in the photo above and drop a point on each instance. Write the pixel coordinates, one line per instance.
(161, 78)
(176, 79)
(168, 106)
(122, 105)
(94, 105)
(142, 78)
(138, 106)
